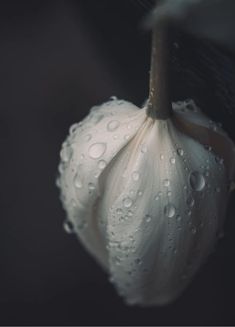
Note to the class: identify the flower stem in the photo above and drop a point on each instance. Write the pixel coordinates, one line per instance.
(159, 104)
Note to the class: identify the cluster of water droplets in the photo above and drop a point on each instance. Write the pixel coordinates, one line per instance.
(87, 133)
(185, 106)
(195, 189)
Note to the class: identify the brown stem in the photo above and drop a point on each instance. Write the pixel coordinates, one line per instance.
(159, 104)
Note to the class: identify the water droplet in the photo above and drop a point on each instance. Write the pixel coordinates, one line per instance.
(219, 160)
(161, 156)
(193, 230)
(189, 213)
(113, 125)
(130, 213)
(117, 261)
(138, 261)
(208, 148)
(77, 181)
(73, 128)
(135, 176)
(169, 210)
(97, 174)
(178, 218)
(66, 153)
(96, 150)
(58, 182)
(180, 152)
(172, 160)
(169, 193)
(61, 167)
(127, 202)
(102, 164)
(91, 186)
(140, 193)
(148, 218)
(68, 226)
(190, 201)
(197, 181)
(126, 137)
(166, 182)
(119, 211)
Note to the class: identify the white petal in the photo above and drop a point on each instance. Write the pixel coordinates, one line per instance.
(93, 145)
(154, 253)
(146, 197)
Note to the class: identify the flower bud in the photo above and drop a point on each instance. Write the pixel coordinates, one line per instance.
(146, 197)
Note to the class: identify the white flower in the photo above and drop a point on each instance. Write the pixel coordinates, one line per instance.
(146, 197)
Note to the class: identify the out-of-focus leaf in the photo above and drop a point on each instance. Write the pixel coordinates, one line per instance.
(212, 19)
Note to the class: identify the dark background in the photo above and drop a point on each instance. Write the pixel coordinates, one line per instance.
(57, 59)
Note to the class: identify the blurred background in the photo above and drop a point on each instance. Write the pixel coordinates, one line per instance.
(57, 59)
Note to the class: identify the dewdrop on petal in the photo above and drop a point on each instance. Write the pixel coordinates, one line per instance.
(146, 196)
